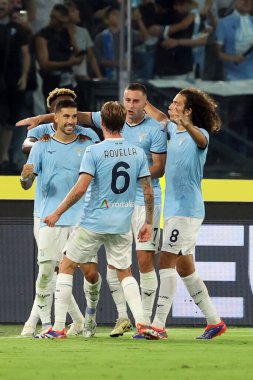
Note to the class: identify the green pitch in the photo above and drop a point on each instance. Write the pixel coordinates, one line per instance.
(228, 357)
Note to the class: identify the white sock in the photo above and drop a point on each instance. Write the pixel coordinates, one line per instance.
(133, 298)
(168, 286)
(74, 311)
(63, 294)
(92, 293)
(44, 291)
(43, 301)
(148, 285)
(117, 292)
(34, 316)
(199, 293)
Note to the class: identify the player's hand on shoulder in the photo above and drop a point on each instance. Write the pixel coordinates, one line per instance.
(83, 138)
(46, 137)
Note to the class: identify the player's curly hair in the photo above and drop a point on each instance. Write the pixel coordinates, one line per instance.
(59, 92)
(204, 109)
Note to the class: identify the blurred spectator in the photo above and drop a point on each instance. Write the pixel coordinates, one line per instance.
(93, 12)
(39, 14)
(55, 52)
(107, 43)
(235, 49)
(224, 7)
(205, 20)
(83, 44)
(175, 55)
(234, 35)
(28, 5)
(17, 157)
(42, 11)
(14, 71)
(144, 54)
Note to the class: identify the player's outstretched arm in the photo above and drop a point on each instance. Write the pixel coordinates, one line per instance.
(72, 197)
(34, 121)
(145, 232)
(155, 113)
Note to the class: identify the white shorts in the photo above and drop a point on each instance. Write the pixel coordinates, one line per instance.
(36, 227)
(51, 242)
(138, 219)
(83, 245)
(180, 234)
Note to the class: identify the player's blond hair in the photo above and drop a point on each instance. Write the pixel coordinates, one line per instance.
(59, 92)
(113, 115)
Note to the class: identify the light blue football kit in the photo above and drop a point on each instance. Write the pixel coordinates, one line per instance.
(58, 164)
(48, 129)
(115, 165)
(151, 137)
(183, 173)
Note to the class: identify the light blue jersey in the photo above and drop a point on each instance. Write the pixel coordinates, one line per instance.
(48, 129)
(116, 165)
(183, 173)
(151, 137)
(58, 164)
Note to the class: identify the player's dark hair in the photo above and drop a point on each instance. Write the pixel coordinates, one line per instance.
(66, 103)
(137, 87)
(113, 114)
(204, 109)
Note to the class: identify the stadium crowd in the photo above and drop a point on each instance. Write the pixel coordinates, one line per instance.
(48, 44)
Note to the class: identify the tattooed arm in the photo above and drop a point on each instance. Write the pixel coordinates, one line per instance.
(146, 230)
(72, 197)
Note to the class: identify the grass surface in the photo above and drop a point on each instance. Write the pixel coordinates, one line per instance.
(101, 357)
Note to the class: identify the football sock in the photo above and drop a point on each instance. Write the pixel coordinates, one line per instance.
(117, 292)
(74, 311)
(133, 298)
(63, 294)
(34, 316)
(44, 291)
(92, 293)
(168, 285)
(148, 285)
(199, 293)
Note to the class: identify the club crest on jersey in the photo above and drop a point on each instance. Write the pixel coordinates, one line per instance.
(142, 136)
(79, 151)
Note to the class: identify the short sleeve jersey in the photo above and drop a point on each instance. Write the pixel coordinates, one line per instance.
(151, 137)
(183, 173)
(48, 129)
(58, 164)
(116, 165)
